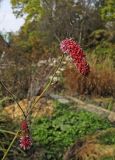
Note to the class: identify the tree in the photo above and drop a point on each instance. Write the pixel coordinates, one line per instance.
(54, 20)
(108, 10)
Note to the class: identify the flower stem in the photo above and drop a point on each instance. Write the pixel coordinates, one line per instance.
(48, 84)
(10, 146)
(13, 96)
(5, 131)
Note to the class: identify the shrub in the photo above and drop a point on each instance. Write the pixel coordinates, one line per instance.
(104, 50)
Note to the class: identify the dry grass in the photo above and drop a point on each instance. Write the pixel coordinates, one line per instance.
(100, 82)
(43, 108)
(90, 148)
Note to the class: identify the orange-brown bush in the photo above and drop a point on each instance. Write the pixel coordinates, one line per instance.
(100, 82)
(92, 147)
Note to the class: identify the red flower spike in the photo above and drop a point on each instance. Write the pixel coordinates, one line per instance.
(25, 142)
(76, 53)
(24, 125)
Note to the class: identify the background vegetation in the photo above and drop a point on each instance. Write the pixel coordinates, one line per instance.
(91, 23)
(28, 56)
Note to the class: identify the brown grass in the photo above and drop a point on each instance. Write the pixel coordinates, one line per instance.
(90, 148)
(100, 82)
(43, 108)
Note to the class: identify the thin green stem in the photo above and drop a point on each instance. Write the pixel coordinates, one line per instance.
(5, 131)
(48, 84)
(13, 96)
(10, 146)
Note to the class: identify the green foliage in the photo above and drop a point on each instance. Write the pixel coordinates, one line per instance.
(99, 35)
(108, 158)
(58, 132)
(104, 49)
(110, 105)
(31, 7)
(108, 138)
(102, 42)
(108, 10)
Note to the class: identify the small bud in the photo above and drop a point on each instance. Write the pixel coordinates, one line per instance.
(24, 125)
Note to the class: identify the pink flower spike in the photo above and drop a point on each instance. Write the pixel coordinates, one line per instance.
(25, 142)
(74, 50)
